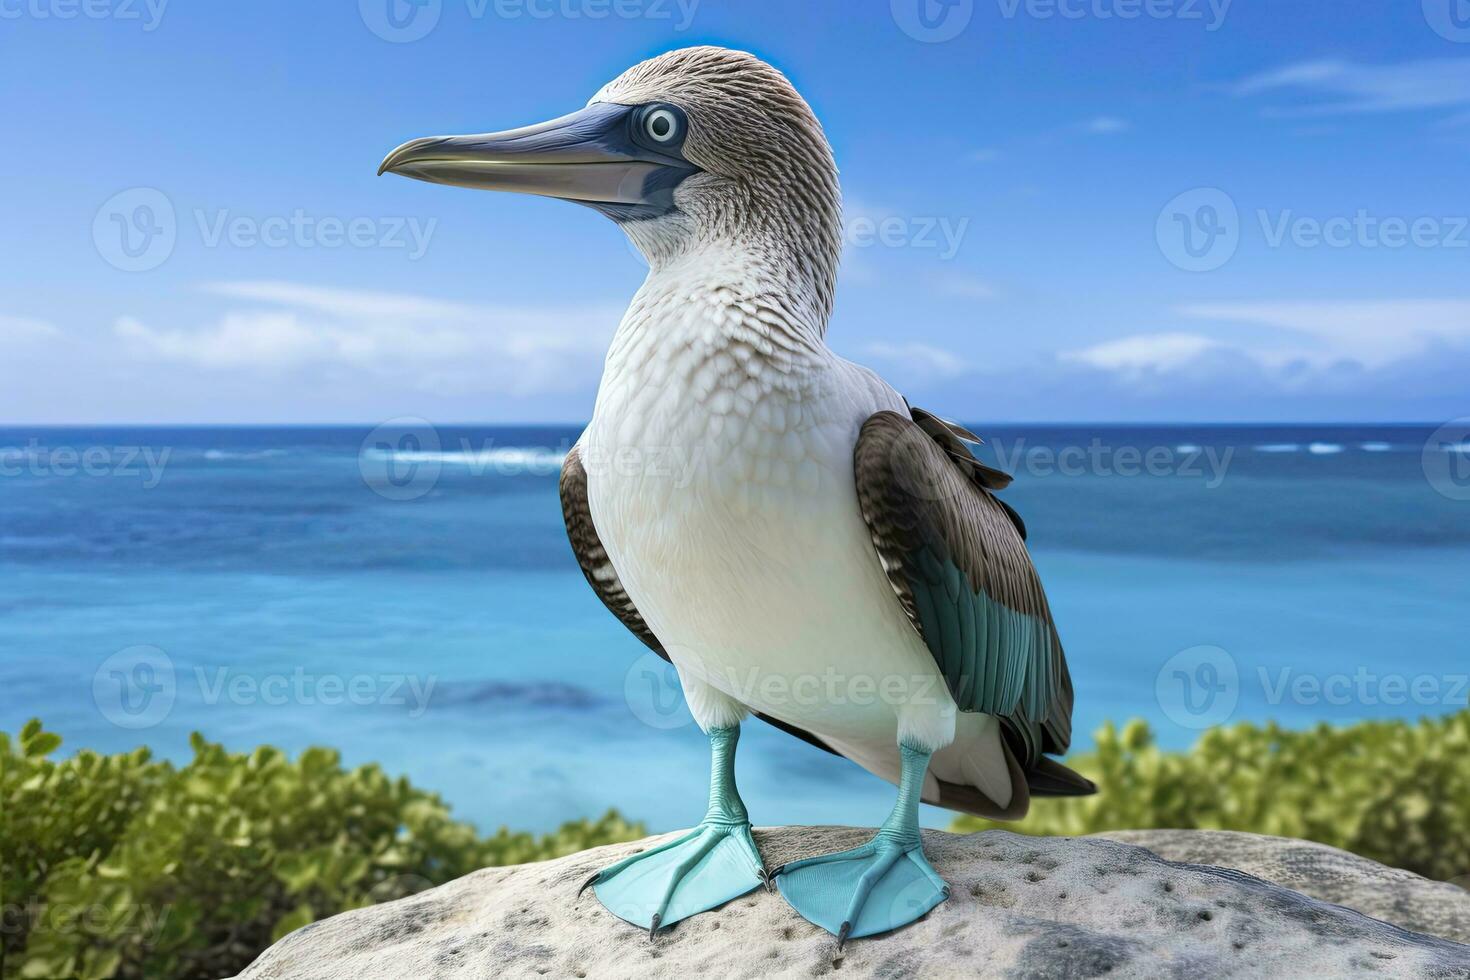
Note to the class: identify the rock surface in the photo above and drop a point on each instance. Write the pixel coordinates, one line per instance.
(1020, 907)
(1436, 908)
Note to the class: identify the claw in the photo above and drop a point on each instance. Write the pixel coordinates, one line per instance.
(842, 935)
(653, 928)
(588, 882)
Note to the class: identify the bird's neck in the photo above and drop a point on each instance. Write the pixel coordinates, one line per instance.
(755, 295)
(708, 331)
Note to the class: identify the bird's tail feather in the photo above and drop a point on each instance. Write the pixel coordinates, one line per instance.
(1046, 778)
(1050, 778)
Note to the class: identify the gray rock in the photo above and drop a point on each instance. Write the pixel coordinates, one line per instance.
(1020, 907)
(1435, 908)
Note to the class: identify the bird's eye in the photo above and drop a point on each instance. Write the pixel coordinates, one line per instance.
(661, 125)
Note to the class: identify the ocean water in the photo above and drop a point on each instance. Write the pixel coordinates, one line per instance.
(408, 596)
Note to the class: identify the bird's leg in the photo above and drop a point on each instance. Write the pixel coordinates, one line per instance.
(884, 884)
(707, 867)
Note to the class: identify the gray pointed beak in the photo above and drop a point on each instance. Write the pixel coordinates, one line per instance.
(588, 157)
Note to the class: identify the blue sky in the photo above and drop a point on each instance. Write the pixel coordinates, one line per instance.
(1058, 209)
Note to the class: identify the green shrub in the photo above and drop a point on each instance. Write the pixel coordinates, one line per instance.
(1394, 791)
(125, 866)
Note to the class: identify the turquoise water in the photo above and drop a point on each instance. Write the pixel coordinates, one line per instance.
(417, 605)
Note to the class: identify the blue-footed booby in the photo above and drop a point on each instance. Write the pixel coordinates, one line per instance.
(838, 562)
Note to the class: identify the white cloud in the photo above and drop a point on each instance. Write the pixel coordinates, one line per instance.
(340, 302)
(1302, 337)
(24, 330)
(1357, 88)
(430, 344)
(919, 360)
(1106, 125)
(959, 284)
(1143, 352)
(1373, 333)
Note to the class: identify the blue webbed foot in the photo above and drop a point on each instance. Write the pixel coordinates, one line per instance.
(871, 889)
(705, 868)
(882, 885)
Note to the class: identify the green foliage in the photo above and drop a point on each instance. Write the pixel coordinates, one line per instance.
(122, 866)
(1394, 791)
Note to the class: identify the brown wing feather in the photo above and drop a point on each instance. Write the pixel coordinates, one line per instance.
(592, 557)
(956, 558)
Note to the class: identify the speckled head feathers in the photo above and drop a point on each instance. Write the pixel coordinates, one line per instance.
(769, 176)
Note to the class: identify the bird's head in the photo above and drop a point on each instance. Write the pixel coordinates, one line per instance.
(697, 147)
